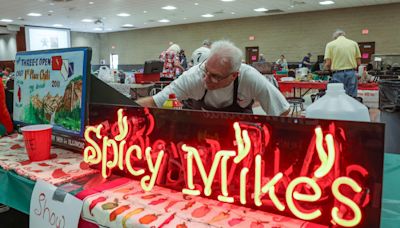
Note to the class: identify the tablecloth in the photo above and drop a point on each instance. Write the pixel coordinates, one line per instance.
(63, 166)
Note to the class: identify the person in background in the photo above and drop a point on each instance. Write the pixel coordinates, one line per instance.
(262, 58)
(201, 53)
(306, 61)
(342, 57)
(172, 66)
(266, 70)
(282, 63)
(222, 83)
(182, 59)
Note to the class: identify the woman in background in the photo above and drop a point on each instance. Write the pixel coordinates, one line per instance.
(172, 66)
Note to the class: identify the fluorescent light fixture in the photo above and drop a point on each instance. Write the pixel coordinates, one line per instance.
(50, 11)
(164, 20)
(98, 29)
(145, 11)
(127, 25)
(324, 3)
(207, 15)
(34, 14)
(233, 13)
(169, 8)
(261, 10)
(123, 15)
(87, 20)
(58, 25)
(196, 4)
(6, 20)
(109, 29)
(227, 0)
(91, 3)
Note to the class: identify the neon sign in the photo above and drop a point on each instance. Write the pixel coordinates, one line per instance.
(236, 175)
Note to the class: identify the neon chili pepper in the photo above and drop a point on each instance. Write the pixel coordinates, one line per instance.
(167, 221)
(95, 202)
(118, 211)
(155, 202)
(130, 214)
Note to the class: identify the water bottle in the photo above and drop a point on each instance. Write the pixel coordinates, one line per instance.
(337, 105)
(172, 102)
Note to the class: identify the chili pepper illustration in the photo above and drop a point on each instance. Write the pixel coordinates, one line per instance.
(170, 204)
(168, 220)
(235, 221)
(155, 202)
(15, 147)
(188, 205)
(126, 196)
(130, 214)
(110, 205)
(147, 219)
(95, 202)
(150, 196)
(43, 164)
(118, 211)
(183, 225)
(58, 173)
(219, 217)
(201, 211)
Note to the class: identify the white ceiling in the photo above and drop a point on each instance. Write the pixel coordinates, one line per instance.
(146, 13)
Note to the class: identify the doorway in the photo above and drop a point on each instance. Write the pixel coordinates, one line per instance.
(367, 49)
(251, 55)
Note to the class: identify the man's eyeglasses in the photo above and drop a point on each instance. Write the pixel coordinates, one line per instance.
(215, 78)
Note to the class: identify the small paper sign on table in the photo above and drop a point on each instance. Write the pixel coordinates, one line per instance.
(52, 207)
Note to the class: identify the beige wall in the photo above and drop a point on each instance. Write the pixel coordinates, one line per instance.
(80, 39)
(8, 47)
(291, 34)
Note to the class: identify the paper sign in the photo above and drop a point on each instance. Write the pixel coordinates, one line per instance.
(53, 210)
(365, 56)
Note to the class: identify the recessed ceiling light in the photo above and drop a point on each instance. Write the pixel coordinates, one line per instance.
(261, 10)
(233, 13)
(127, 25)
(164, 20)
(109, 29)
(58, 25)
(196, 4)
(184, 18)
(34, 14)
(6, 20)
(228, 0)
(123, 15)
(145, 11)
(91, 3)
(50, 11)
(169, 7)
(98, 29)
(326, 3)
(207, 15)
(87, 20)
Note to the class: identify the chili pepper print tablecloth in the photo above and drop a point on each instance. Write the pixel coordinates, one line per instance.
(129, 206)
(63, 166)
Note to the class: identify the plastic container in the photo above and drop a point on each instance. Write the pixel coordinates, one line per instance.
(37, 140)
(172, 102)
(337, 105)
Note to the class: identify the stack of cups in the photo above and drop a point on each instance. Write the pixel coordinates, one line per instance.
(37, 141)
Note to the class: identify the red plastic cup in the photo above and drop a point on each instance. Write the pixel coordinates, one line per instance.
(37, 140)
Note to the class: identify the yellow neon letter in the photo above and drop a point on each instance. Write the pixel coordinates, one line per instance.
(224, 177)
(343, 199)
(92, 154)
(152, 168)
(243, 175)
(122, 125)
(268, 188)
(243, 144)
(290, 194)
(327, 161)
(128, 160)
(189, 169)
(108, 164)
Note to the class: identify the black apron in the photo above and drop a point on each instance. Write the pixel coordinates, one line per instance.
(234, 107)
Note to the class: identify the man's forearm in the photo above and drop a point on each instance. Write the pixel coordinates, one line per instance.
(146, 102)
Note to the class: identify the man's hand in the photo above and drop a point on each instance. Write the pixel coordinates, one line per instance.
(328, 63)
(146, 102)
